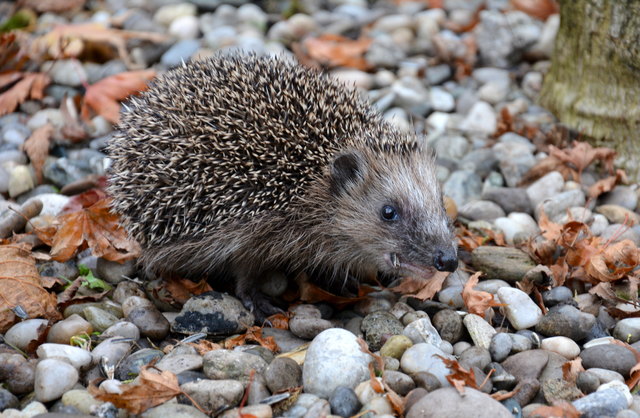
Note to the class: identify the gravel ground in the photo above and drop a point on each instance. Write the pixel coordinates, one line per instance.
(472, 94)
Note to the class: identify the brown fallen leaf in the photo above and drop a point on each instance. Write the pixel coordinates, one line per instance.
(181, 290)
(614, 261)
(339, 51)
(581, 155)
(311, 293)
(103, 97)
(280, 320)
(20, 286)
(151, 390)
(421, 288)
(476, 301)
(95, 227)
(204, 346)
(253, 334)
(607, 184)
(571, 368)
(68, 41)
(31, 85)
(459, 376)
(37, 148)
(559, 409)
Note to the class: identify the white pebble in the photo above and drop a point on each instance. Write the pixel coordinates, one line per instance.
(564, 346)
(521, 311)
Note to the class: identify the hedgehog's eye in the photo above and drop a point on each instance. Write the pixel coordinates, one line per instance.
(389, 213)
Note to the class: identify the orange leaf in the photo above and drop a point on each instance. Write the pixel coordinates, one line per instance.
(152, 390)
(253, 334)
(459, 376)
(339, 51)
(280, 320)
(607, 184)
(103, 96)
(582, 154)
(95, 227)
(560, 409)
(422, 288)
(476, 301)
(614, 261)
(30, 85)
(181, 290)
(37, 148)
(20, 285)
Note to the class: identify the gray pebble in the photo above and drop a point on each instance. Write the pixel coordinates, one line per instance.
(227, 364)
(500, 347)
(344, 402)
(567, 321)
(610, 357)
(475, 357)
(283, 373)
(214, 394)
(601, 403)
(379, 326)
(214, 313)
(509, 198)
(399, 382)
(449, 325)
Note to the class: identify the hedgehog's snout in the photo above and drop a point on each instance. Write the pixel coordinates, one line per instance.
(445, 260)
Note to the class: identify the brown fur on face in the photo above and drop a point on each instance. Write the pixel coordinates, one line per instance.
(246, 164)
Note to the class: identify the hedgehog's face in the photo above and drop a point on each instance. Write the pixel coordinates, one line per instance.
(389, 207)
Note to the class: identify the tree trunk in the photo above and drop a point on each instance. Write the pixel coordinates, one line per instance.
(593, 85)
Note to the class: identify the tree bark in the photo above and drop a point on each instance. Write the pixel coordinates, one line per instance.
(593, 85)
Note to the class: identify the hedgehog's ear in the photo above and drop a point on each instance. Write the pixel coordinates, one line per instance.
(347, 168)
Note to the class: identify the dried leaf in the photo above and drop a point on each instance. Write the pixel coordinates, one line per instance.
(37, 148)
(204, 346)
(66, 41)
(607, 184)
(540, 9)
(560, 409)
(103, 97)
(459, 376)
(95, 227)
(311, 293)
(153, 389)
(31, 85)
(339, 51)
(181, 290)
(582, 154)
(476, 301)
(570, 370)
(280, 320)
(253, 334)
(20, 285)
(426, 288)
(614, 261)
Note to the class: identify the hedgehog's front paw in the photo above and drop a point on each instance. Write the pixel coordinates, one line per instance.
(259, 304)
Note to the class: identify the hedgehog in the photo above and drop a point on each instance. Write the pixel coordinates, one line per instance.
(243, 165)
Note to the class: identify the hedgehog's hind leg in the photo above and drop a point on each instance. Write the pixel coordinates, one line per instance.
(248, 291)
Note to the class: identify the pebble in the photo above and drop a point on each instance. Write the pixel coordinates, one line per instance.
(422, 358)
(481, 210)
(77, 357)
(53, 378)
(122, 329)
(344, 402)
(463, 186)
(307, 322)
(214, 394)
(601, 403)
(52, 203)
(527, 364)
(114, 272)
(180, 359)
(68, 72)
(17, 373)
(62, 331)
(475, 357)
(283, 373)
(481, 331)
(567, 321)
(173, 410)
(334, 359)
(510, 199)
(474, 403)
(112, 349)
(618, 214)
(515, 159)
(21, 334)
(227, 364)
(7, 400)
(556, 206)
(131, 365)
(180, 52)
(81, 400)
(480, 119)
(557, 296)
(170, 12)
(184, 27)
(521, 311)
(214, 313)
(545, 187)
(564, 346)
(395, 346)
(627, 330)
(448, 324)
(378, 326)
(99, 319)
(624, 196)
(421, 331)
(500, 346)
(504, 263)
(610, 357)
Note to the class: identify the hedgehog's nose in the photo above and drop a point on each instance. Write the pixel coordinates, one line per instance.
(445, 261)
